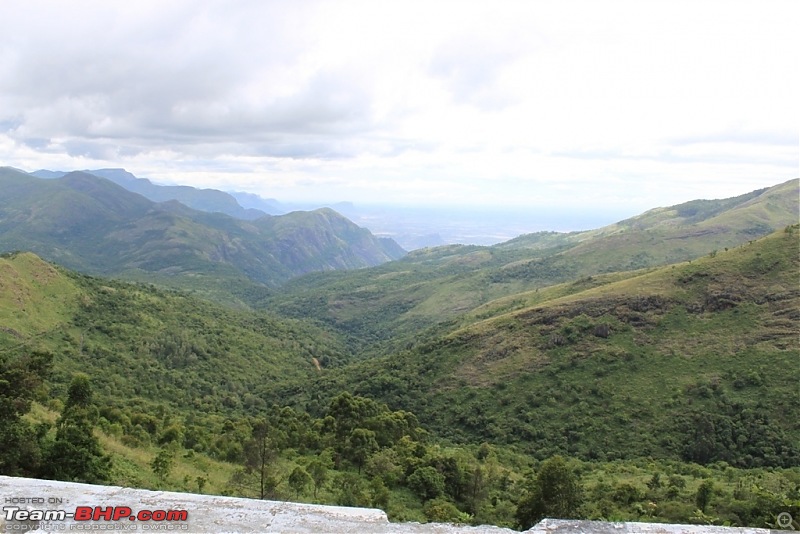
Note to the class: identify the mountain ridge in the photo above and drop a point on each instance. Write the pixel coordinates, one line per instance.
(432, 286)
(92, 224)
(211, 200)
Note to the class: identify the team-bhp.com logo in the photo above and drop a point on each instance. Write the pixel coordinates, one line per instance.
(84, 517)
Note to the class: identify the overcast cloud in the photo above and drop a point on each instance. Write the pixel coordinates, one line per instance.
(630, 104)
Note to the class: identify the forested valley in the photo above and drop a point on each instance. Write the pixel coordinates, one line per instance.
(546, 377)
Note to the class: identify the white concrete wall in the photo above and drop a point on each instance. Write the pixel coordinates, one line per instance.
(206, 513)
(213, 514)
(564, 526)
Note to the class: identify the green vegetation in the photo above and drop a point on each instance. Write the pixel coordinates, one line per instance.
(695, 362)
(462, 384)
(554, 493)
(91, 224)
(75, 453)
(20, 380)
(384, 309)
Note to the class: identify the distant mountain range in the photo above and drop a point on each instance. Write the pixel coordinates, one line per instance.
(433, 286)
(240, 205)
(89, 223)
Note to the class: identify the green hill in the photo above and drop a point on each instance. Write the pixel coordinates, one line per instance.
(483, 343)
(34, 296)
(93, 225)
(146, 346)
(386, 307)
(697, 361)
(637, 375)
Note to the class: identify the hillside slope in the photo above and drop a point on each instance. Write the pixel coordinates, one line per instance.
(385, 308)
(697, 361)
(91, 224)
(145, 346)
(666, 235)
(178, 376)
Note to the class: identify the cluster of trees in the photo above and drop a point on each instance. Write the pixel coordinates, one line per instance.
(68, 450)
(358, 452)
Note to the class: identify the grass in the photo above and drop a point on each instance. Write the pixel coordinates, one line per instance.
(35, 297)
(132, 468)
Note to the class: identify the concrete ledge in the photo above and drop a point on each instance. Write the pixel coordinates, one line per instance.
(204, 513)
(24, 502)
(570, 526)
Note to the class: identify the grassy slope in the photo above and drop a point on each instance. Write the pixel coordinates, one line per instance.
(667, 235)
(718, 333)
(385, 308)
(34, 297)
(146, 346)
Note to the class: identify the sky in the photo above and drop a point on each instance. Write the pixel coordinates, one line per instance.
(623, 105)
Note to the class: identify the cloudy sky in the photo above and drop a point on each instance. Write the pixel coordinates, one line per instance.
(533, 103)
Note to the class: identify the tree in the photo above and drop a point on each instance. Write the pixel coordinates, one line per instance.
(299, 480)
(360, 444)
(655, 481)
(162, 464)
(352, 490)
(75, 454)
(379, 493)
(260, 456)
(455, 472)
(318, 469)
(20, 442)
(79, 394)
(350, 413)
(426, 482)
(555, 493)
(347, 411)
(703, 496)
(702, 445)
(386, 465)
(478, 481)
(391, 426)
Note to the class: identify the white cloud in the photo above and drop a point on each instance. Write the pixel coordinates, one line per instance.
(572, 102)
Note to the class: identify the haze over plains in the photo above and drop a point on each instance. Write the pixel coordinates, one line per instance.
(611, 106)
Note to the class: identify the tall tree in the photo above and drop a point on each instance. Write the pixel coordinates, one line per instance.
(20, 377)
(162, 464)
(427, 483)
(318, 469)
(703, 496)
(75, 454)
(360, 444)
(555, 492)
(299, 480)
(260, 456)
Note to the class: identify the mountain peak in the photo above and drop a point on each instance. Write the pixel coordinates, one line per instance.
(90, 223)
